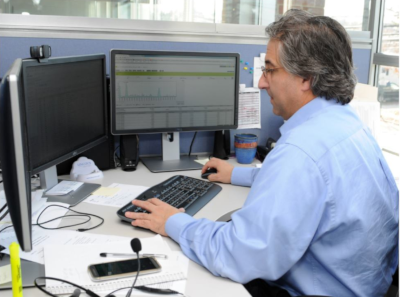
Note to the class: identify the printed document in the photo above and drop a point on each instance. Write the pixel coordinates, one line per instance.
(71, 263)
(122, 197)
(42, 237)
(249, 109)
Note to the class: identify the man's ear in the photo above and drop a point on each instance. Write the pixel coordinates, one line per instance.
(306, 84)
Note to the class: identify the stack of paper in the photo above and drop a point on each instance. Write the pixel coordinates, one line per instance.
(71, 263)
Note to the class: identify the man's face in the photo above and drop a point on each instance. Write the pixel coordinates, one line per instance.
(281, 86)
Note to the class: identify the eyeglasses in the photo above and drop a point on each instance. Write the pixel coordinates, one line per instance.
(268, 70)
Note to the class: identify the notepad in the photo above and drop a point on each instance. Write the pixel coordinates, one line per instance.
(64, 187)
(71, 262)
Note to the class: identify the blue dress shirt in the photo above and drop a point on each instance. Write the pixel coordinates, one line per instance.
(321, 217)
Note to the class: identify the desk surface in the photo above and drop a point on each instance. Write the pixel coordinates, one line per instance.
(200, 281)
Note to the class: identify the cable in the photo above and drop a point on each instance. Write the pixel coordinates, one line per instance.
(4, 214)
(190, 149)
(81, 214)
(87, 291)
(5, 228)
(109, 294)
(3, 207)
(136, 247)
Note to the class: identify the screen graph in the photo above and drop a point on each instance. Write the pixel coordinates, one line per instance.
(161, 91)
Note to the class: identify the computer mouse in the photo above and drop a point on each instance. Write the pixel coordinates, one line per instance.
(208, 172)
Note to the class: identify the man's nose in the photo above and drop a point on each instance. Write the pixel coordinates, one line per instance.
(262, 83)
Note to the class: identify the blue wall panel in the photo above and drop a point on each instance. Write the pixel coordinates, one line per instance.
(12, 48)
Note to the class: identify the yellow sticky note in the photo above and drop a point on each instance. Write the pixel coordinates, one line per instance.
(103, 191)
(5, 274)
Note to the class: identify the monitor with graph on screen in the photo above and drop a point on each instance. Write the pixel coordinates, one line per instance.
(164, 91)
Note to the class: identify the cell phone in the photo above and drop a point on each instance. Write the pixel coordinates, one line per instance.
(122, 268)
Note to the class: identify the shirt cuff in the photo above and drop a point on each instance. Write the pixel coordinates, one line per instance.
(242, 176)
(175, 224)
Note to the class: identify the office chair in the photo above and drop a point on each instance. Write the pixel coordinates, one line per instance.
(394, 287)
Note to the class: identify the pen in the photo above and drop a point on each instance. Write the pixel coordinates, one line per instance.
(130, 255)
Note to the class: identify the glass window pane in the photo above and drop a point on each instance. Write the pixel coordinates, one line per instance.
(388, 96)
(352, 14)
(390, 34)
(247, 12)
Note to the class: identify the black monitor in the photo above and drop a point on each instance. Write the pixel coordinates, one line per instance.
(49, 112)
(169, 92)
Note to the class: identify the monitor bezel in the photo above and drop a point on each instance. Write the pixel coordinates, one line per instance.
(16, 177)
(62, 60)
(115, 52)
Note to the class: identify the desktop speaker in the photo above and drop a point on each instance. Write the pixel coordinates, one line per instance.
(129, 152)
(222, 144)
(102, 154)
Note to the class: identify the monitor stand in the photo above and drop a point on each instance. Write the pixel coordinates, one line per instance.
(171, 159)
(48, 179)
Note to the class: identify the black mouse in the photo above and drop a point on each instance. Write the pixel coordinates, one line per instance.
(208, 172)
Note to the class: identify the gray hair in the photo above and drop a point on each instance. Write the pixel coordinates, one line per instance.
(316, 48)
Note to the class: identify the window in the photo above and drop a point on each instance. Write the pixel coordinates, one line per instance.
(245, 12)
(386, 78)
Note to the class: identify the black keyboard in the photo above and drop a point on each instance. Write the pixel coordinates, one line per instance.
(179, 191)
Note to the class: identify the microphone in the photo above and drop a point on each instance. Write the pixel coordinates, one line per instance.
(136, 247)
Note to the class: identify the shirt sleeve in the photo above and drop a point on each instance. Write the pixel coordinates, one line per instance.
(273, 229)
(244, 176)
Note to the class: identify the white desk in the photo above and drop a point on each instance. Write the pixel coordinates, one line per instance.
(200, 281)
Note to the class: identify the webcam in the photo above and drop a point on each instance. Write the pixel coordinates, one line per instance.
(41, 52)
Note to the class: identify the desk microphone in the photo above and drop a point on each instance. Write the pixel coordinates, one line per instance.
(136, 247)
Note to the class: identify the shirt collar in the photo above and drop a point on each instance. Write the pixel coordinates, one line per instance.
(306, 112)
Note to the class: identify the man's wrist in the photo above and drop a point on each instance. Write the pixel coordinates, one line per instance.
(175, 223)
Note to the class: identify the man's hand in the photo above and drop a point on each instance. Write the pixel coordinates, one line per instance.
(224, 170)
(156, 219)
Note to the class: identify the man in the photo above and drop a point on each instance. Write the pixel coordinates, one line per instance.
(322, 214)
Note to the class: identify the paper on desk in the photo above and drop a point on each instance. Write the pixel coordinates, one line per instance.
(258, 62)
(249, 109)
(103, 191)
(64, 187)
(6, 220)
(42, 237)
(5, 274)
(178, 285)
(71, 263)
(38, 205)
(202, 161)
(125, 194)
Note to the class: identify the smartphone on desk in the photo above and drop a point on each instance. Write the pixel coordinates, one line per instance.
(122, 268)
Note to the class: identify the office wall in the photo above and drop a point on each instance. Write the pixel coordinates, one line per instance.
(12, 48)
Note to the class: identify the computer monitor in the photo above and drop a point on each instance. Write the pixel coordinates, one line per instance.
(169, 92)
(49, 112)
